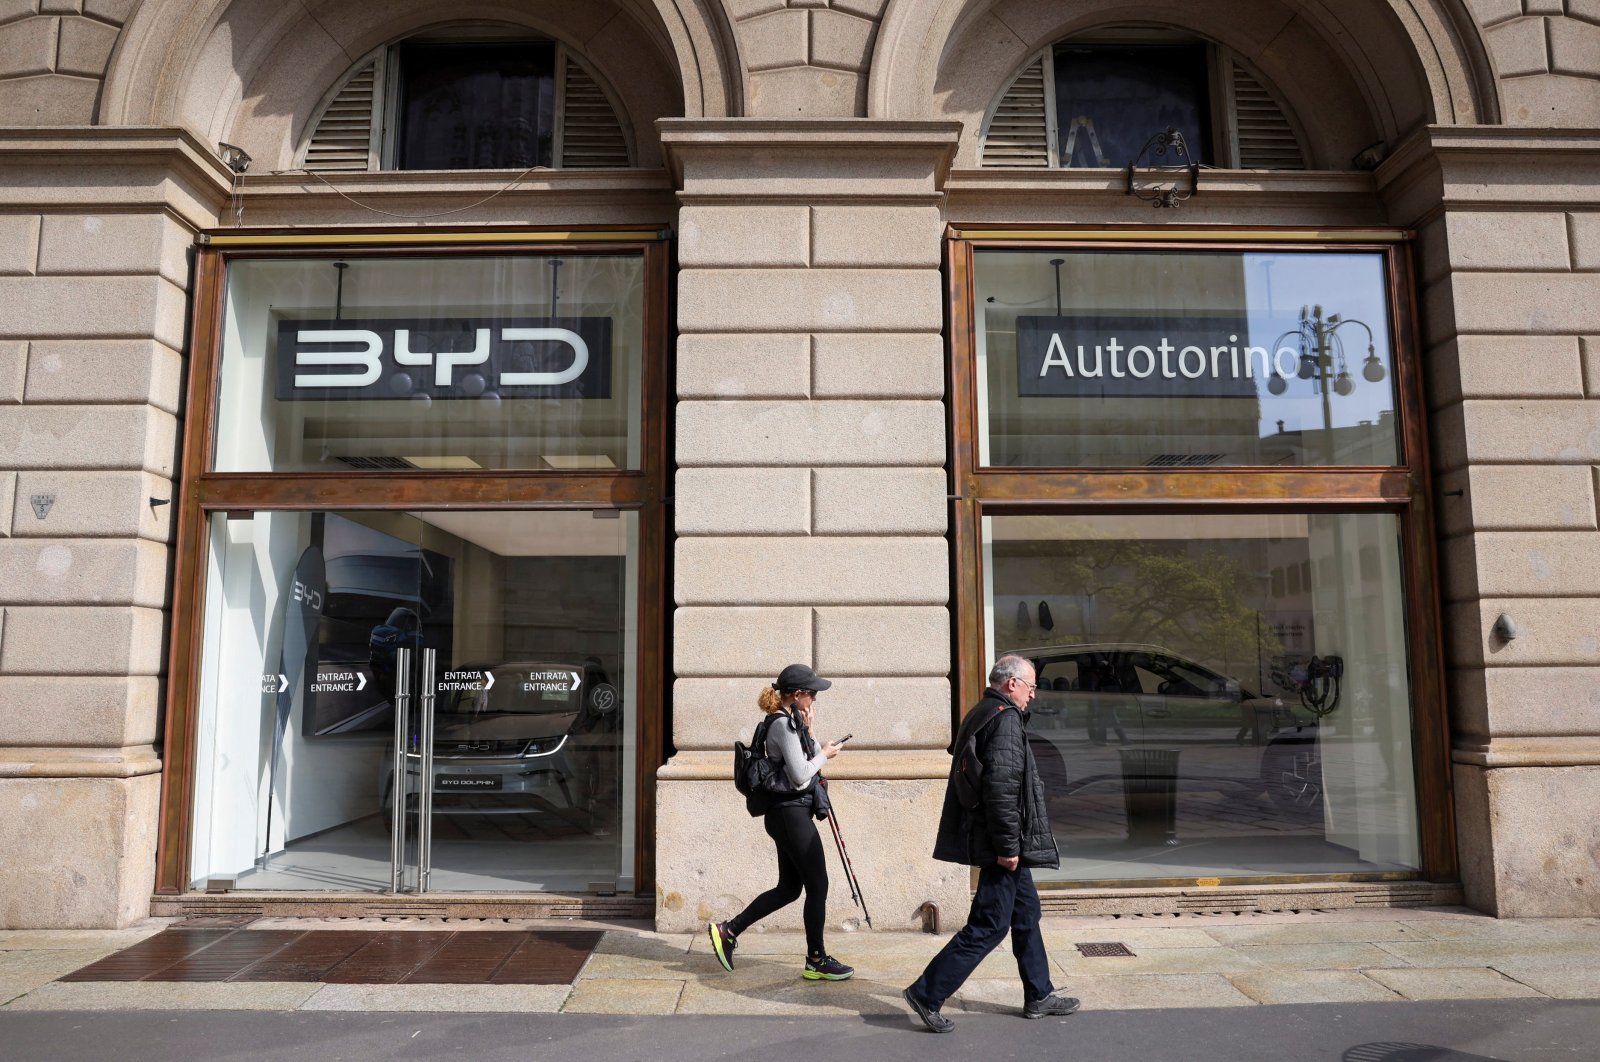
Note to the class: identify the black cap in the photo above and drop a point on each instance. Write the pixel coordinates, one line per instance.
(800, 677)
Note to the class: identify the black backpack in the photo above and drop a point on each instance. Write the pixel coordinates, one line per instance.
(754, 772)
(966, 771)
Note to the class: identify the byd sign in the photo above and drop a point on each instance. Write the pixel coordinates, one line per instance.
(517, 357)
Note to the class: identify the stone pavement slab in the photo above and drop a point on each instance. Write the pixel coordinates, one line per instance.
(1153, 961)
(624, 996)
(1130, 992)
(1312, 986)
(793, 995)
(105, 940)
(167, 995)
(24, 971)
(1460, 983)
(1314, 933)
(539, 999)
(1471, 925)
(1135, 937)
(1317, 956)
(1487, 952)
(1557, 982)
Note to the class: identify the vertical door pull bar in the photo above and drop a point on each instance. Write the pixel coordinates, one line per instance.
(425, 783)
(397, 785)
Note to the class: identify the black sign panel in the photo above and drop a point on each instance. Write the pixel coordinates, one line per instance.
(1172, 356)
(450, 357)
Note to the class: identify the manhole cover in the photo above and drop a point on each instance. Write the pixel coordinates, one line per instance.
(1100, 951)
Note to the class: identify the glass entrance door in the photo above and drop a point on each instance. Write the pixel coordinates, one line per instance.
(442, 702)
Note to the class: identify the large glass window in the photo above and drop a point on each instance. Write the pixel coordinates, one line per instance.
(1112, 98)
(314, 627)
(1219, 696)
(477, 106)
(1185, 488)
(1178, 358)
(429, 363)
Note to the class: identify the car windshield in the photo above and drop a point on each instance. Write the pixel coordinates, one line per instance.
(528, 688)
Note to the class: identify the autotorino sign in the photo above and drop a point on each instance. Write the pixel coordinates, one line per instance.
(451, 357)
(1166, 356)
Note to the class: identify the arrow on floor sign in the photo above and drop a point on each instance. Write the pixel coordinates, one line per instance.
(283, 683)
(361, 681)
(577, 679)
(488, 681)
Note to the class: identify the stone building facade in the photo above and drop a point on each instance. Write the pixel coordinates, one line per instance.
(817, 165)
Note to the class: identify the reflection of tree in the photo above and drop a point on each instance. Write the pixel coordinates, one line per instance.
(1129, 591)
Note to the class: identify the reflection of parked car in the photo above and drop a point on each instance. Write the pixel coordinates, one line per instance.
(540, 736)
(1147, 695)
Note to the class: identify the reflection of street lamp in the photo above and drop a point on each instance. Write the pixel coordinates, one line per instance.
(1322, 357)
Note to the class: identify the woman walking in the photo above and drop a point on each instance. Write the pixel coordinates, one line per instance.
(790, 704)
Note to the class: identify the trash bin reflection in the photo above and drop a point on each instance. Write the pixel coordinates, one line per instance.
(1150, 793)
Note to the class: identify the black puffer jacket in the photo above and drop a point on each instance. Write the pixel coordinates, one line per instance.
(1013, 819)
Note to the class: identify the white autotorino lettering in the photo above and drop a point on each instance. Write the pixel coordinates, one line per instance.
(366, 358)
(1141, 361)
(580, 357)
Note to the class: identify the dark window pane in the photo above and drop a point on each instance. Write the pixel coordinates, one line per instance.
(1110, 99)
(477, 106)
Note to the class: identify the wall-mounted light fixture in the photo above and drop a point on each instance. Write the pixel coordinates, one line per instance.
(1169, 157)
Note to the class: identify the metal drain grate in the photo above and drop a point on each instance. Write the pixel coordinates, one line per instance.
(1101, 951)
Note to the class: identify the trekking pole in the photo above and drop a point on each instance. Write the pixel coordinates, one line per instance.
(849, 871)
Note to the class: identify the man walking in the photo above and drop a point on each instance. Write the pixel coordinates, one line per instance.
(995, 819)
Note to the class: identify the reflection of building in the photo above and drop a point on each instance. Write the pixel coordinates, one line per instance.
(784, 213)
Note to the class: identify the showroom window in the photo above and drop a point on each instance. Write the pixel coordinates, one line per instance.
(1097, 100)
(1190, 489)
(418, 617)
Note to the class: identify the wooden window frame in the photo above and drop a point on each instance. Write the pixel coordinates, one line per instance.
(1402, 490)
(204, 492)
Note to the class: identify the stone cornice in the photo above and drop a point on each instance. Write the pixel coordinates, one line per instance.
(131, 762)
(742, 158)
(1488, 167)
(1528, 752)
(861, 764)
(154, 167)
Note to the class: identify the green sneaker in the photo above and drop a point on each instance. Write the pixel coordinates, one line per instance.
(827, 968)
(723, 943)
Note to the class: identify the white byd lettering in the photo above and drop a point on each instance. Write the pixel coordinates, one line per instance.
(445, 361)
(1193, 362)
(367, 358)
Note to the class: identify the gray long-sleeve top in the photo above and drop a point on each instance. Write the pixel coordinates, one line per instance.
(783, 741)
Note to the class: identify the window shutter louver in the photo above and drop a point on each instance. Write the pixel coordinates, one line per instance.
(591, 135)
(1018, 135)
(343, 140)
(1266, 139)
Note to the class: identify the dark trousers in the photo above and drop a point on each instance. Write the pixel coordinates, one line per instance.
(1006, 902)
(802, 864)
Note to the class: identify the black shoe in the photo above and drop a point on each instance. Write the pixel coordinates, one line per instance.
(930, 1016)
(1050, 1007)
(723, 943)
(826, 968)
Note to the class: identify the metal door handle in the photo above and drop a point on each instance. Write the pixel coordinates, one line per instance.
(397, 785)
(425, 801)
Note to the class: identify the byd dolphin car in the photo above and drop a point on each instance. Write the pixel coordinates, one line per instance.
(520, 737)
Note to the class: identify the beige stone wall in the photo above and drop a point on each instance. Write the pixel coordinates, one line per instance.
(53, 58)
(810, 498)
(1509, 281)
(94, 281)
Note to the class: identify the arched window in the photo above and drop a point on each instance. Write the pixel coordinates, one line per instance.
(468, 98)
(1096, 100)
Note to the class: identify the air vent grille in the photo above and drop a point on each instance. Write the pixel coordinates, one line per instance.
(342, 142)
(1182, 460)
(591, 135)
(378, 464)
(1266, 139)
(1018, 136)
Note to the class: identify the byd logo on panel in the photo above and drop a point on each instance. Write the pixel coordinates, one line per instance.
(445, 358)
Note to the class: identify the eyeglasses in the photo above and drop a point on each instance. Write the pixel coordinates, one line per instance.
(1025, 682)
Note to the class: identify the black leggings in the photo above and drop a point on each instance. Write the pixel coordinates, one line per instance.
(801, 865)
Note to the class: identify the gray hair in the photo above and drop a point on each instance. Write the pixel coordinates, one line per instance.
(1009, 667)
